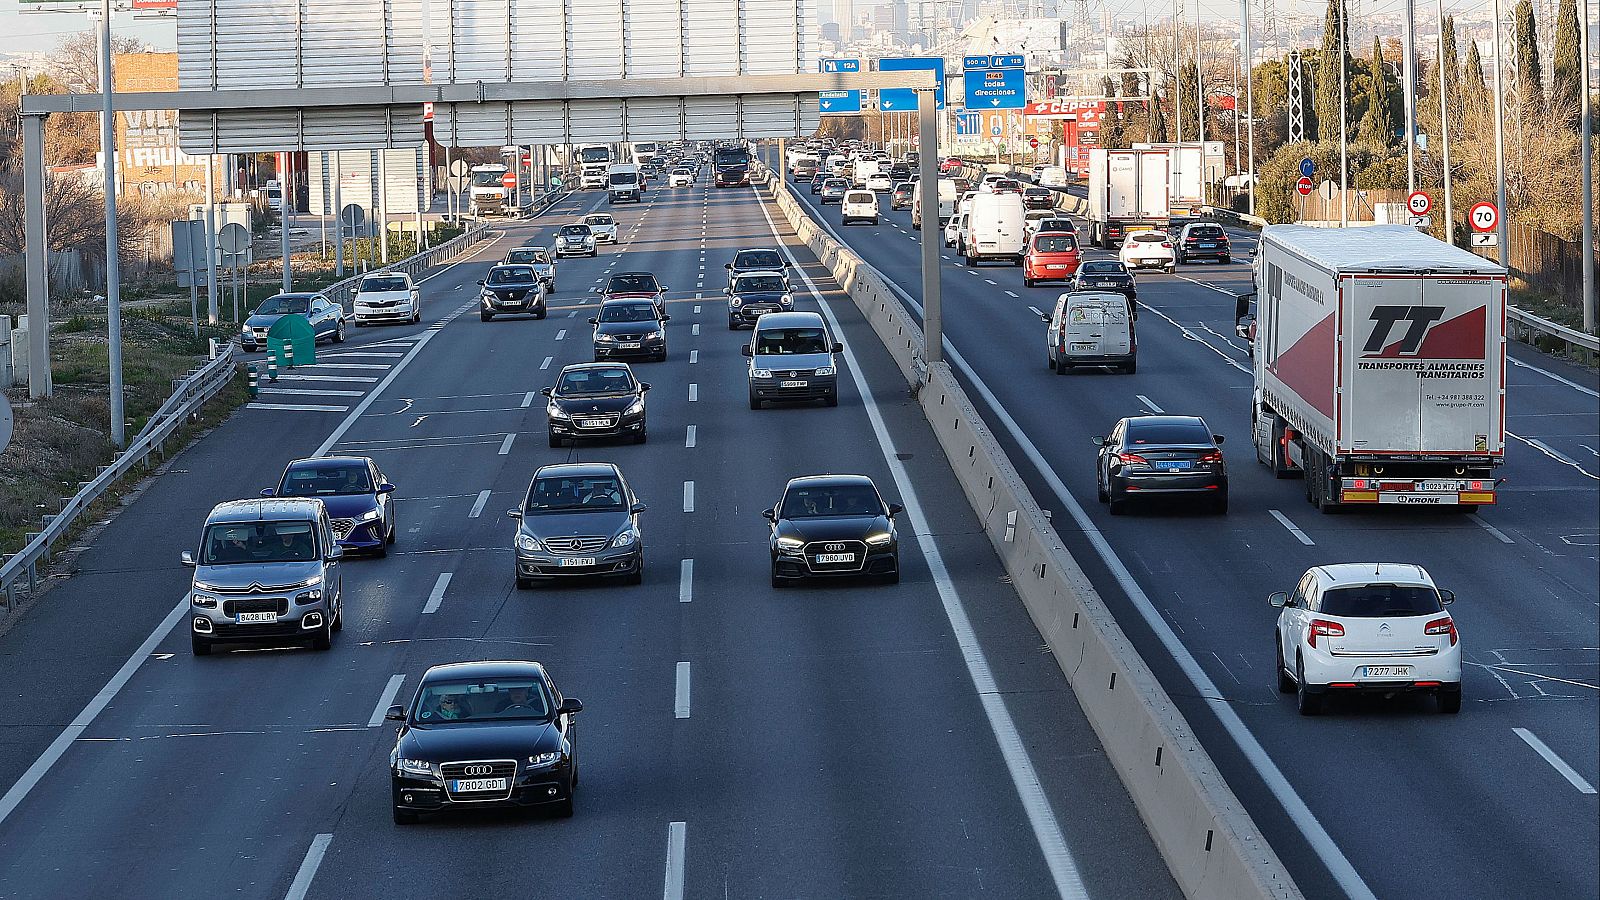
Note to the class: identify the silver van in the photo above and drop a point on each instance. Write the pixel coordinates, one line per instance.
(1091, 328)
(267, 571)
(792, 358)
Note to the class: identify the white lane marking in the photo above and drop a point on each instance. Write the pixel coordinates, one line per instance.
(1552, 376)
(308, 867)
(436, 596)
(680, 693)
(385, 700)
(676, 837)
(1317, 837)
(58, 747)
(527, 399)
(697, 307)
(694, 355)
(1590, 449)
(987, 281)
(573, 314)
(477, 506)
(357, 379)
(686, 581)
(688, 496)
(1037, 311)
(309, 392)
(695, 329)
(561, 335)
(344, 353)
(694, 392)
(1556, 762)
(1011, 294)
(1293, 529)
(505, 446)
(546, 363)
(1207, 284)
(1553, 453)
(688, 438)
(1499, 535)
(295, 407)
(1057, 856)
(1151, 404)
(1195, 337)
(379, 367)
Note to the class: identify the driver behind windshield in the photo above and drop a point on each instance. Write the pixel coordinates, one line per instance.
(628, 312)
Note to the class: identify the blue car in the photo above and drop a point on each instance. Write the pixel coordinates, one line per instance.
(358, 497)
(326, 318)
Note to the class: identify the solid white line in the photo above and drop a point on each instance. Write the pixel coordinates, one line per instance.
(1284, 521)
(546, 363)
(1150, 404)
(385, 700)
(477, 507)
(308, 867)
(688, 496)
(1552, 376)
(323, 365)
(1499, 535)
(1555, 761)
(1317, 837)
(686, 581)
(86, 717)
(680, 702)
(344, 353)
(295, 407)
(1552, 452)
(561, 335)
(694, 392)
(436, 596)
(309, 392)
(505, 446)
(688, 438)
(676, 837)
(527, 399)
(1057, 856)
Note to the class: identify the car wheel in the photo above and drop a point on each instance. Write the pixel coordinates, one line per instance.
(832, 399)
(380, 552)
(338, 332)
(1050, 360)
(394, 529)
(404, 816)
(1449, 699)
(733, 324)
(1131, 367)
(778, 581)
(1062, 366)
(893, 577)
(637, 576)
(1027, 282)
(1099, 487)
(1286, 683)
(524, 584)
(486, 316)
(1307, 703)
(416, 316)
(1115, 504)
(555, 441)
(874, 220)
(199, 645)
(323, 639)
(540, 314)
(1224, 259)
(360, 324)
(1172, 269)
(1220, 504)
(562, 809)
(338, 619)
(641, 437)
(755, 402)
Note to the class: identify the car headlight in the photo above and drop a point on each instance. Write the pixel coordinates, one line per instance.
(204, 601)
(634, 408)
(827, 370)
(371, 515)
(760, 373)
(786, 300)
(244, 329)
(880, 538)
(736, 302)
(527, 542)
(561, 241)
(787, 542)
(556, 412)
(416, 767)
(625, 539)
(313, 581)
(540, 760)
(602, 336)
(305, 597)
(487, 295)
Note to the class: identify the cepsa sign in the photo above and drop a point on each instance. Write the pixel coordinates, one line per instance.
(1087, 112)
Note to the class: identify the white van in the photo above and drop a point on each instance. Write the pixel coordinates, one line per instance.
(1091, 328)
(947, 202)
(996, 229)
(858, 206)
(1052, 176)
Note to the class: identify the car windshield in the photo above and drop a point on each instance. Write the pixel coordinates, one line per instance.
(599, 220)
(510, 275)
(791, 341)
(628, 312)
(630, 284)
(279, 306)
(1167, 433)
(1055, 243)
(569, 492)
(450, 702)
(1102, 268)
(813, 501)
(383, 283)
(258, 542)
(756, 284)
(325, 479)
(528, 255)
(487, 179)
(1371, 601)
(757, 259)
(587, 382)
(575, 230)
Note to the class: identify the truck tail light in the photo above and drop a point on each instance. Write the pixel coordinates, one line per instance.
(1442, 626)
(1132, 458)
(1324, 628)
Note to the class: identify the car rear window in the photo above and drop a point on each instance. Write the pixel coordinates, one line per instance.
(757, 259)
(1102, 268)
(858, 197)
(1167, 433)
(1055, 243)
(1208, 232)
(1370, 601)
(1149, 238)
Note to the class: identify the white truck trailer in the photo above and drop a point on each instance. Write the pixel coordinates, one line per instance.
(1380, 363)
(1128, 190)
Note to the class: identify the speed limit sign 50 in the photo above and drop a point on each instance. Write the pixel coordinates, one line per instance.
(1419, 203)
(1483, 216)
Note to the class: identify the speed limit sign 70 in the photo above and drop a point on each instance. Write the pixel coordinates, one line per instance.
(1419, 203)
(1483, 216)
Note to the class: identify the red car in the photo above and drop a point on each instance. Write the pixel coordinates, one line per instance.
(1051, 256)
(951, 164)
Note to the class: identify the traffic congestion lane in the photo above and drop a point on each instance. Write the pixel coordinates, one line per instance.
(1179, 375)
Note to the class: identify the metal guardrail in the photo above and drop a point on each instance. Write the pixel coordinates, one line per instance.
(189, 394)
(1529, 324)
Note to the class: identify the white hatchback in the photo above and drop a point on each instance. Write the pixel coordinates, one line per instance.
(1148, 249)
(880, 181)
(1378, 628)
(603, 226)
(857, 206)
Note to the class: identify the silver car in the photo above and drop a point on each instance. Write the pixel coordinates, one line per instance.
(267, 571)
(578, 519)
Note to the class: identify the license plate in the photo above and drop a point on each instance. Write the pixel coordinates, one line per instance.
(592, 423)
(1170, 464)
(792, 384)
(1438, 486)
(577, 561)
(628, 345)
(825, 558)
(1208, 246)
(1109, 284)
(1055, 268)
(1386, 671)
(253, 618)
(470, 785)
(1420, 499)
(1083, 345)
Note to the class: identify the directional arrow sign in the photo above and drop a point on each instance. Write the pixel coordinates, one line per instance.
(998, 82)
(839, 103)
(905, 99)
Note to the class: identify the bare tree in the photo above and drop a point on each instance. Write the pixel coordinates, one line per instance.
(76, 63)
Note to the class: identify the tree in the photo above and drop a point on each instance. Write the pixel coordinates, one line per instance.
(77, 60)
(1188, 86)
(1377, 125)
(1334, 53)
(1158, 122)
(1530, 77)
(1474, 89)
(1565, 83)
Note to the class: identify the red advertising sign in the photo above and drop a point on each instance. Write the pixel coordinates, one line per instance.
(1086, 111)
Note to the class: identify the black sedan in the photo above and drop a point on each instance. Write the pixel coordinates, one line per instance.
(578, 519)
(356, 494)
(511, 289)
(753, 295)
(1104, 275)
(592, 400)
(1038, 198)
(627, 328)
(817, 181)
(483, 734)
(1148, 457)
(833, 525)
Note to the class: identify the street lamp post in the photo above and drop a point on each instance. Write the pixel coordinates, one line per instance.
(108, 157)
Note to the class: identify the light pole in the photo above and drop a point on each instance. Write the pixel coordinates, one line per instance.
(108, 156)
(1500, 139)
(1410, 89)
(1586, 167)
(1249, 95)
(1344, 126)
(1199, 84)
(1177, 77)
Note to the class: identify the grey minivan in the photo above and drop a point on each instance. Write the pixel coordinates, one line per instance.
(267, 571)
(792, 358)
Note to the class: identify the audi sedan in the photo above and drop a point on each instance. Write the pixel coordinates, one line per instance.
(358, 497)
(510, 289)
(1150, 457)
(832, 526)
(630, 328)
(484, 734)
(578, 519)
(596, 400)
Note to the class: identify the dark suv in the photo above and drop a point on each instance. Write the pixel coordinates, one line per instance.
(1203, 240)
(511, 289)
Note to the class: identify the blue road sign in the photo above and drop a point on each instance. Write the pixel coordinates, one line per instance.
(974, 62)
(839, 103)
(1307, 167)
(969, 123)
(995, 82)
(905, 99)
(1009, 62)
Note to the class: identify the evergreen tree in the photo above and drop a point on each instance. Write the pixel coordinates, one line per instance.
(1326, 98)
(1188, 83)
(1564, 87)
(1530, 77)
(1474, 89)
(1452, 74)
(1377, 126)
(1158, 121)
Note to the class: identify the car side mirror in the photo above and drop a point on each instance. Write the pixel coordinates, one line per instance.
(644, 385)
(745, 350)
(514, 514)
(268, 492)
(895, 509)
(1218, 438)
(727, 290)
(638, 507)
(666, 318)
(1241, 306)
(1278, 599)
(546, 391)
(1098, 440)
(593, 320)
(664, 289)
(480, 281)
(728, 266)
(1446, 597)
(386, 488)
(836, 348)
(1044, 317)
(569, 706)
(187, 558)
(335, 552)
(771, 515)
(396, 713)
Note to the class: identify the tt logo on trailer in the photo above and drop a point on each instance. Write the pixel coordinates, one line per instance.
(1385, 318)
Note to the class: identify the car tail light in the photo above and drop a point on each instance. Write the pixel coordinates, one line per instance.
(1167, 244)
(1131, 458)
(1324, 628)
(1214, 456)
(1446, 625)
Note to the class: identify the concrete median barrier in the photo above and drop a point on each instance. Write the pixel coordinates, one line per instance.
(1210, 843)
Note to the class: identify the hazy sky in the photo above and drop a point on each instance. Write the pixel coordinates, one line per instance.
(26, 32)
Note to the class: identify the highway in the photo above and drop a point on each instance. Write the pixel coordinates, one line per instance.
(1375, 798)
(835, 740)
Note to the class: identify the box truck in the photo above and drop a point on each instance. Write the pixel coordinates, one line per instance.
(489, 196)
(593, 162)
(1379, 366)
(1128, 190)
